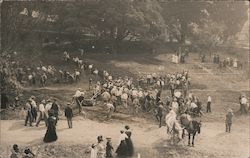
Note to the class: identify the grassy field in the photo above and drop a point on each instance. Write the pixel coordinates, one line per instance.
(224, 86)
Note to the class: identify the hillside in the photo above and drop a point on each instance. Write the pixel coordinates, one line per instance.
(224, 86)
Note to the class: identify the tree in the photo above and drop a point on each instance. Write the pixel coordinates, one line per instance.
(231, 14)
(9, 86)
(114, 20)
(180, 15)
(125, 19)
(209, 36)
(17, 17)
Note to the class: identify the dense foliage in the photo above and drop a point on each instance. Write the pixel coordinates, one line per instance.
(119, 20)
(9, 86)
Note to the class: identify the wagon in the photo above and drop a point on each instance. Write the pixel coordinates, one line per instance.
(89, 101)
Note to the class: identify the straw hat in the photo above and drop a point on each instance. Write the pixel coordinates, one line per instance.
(127, 127)
(108, 138)
(32, 97)
(229, 110)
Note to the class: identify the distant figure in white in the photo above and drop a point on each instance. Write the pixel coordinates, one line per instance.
(172, 123)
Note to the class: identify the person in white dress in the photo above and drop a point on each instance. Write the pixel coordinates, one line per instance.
(235, 63)
(172, 122)
(100, 148)
(209, 102)
(244, 105)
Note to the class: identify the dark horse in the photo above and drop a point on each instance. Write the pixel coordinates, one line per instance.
(191, 126)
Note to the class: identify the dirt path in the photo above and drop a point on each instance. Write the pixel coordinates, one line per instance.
(148, 138)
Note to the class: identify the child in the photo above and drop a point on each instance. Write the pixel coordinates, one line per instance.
(28, 153)
(15, 153)
(229, 120)
(93, 153)
(109, 148)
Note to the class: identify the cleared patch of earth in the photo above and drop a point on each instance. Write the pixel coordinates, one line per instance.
(149, 140)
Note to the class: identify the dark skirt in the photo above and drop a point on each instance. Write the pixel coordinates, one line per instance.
(122, 149)
(50, 135)
(130, 147)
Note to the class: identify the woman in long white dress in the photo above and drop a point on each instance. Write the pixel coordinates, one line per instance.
(235, 63)
(100, 148)
(93, 151)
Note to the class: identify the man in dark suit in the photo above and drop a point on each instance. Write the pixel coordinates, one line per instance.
(159, 113)
(68, 114)
(29, 116)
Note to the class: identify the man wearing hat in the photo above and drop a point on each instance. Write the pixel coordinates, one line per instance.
(109, 148)
(136, 105)
(229, 120)
(159, 113)
(41, 113)
(68, 114)
(79, 97)
(33, 108)
(110, 109)
(28, 113)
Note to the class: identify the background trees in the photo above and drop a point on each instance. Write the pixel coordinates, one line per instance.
(124, 20)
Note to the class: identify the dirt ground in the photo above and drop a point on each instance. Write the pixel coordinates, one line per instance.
(149, 140)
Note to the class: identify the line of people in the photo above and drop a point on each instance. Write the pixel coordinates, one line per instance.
(34, 113)
(125, 147)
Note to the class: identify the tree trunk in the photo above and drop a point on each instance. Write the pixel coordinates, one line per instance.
(183, 32)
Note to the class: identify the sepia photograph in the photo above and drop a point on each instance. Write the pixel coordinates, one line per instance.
(124, 79)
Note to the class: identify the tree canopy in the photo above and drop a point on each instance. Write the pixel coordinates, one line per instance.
(131, 20)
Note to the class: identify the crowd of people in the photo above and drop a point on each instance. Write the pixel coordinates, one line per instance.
(124, 148)
(140, 94)
(42, 75)
(227, 62)
(35, 113)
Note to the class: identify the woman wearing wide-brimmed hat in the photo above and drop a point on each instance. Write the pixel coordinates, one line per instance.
(130, 146)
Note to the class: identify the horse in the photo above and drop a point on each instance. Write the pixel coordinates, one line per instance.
(191, 126)
(173, 126)
(195, 112)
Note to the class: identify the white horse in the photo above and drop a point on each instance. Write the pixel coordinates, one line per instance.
(173, 126)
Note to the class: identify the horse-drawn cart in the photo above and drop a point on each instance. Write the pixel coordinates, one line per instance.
(86, 101)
